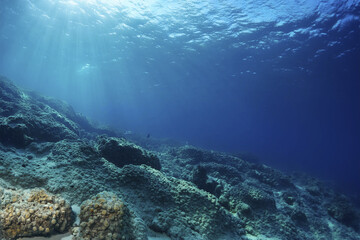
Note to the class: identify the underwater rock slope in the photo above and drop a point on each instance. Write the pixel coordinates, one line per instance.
(52, 158)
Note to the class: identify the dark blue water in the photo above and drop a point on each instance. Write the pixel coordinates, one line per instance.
(278, 79)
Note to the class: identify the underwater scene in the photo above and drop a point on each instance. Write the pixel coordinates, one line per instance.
(180, 120)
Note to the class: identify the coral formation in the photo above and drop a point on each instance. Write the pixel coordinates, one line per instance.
(34, 213)
(104, 217)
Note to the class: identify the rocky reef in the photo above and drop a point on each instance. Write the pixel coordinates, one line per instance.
(53, 161)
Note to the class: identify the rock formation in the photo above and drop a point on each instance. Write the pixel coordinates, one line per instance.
(52, 158)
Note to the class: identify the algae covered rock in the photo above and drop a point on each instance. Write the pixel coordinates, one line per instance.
(176, 207)
(104, 217)
(75, 151)
(34, 213)
(121, 153)
(255, 198)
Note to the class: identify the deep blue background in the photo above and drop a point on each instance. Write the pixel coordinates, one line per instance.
(278, 79)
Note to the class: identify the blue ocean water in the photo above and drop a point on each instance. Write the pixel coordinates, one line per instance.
(274, 78)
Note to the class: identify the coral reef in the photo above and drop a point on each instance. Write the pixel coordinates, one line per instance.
(104, 217)
(127, 192)
(34, 213)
